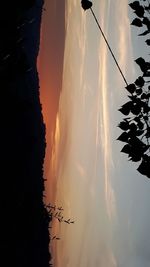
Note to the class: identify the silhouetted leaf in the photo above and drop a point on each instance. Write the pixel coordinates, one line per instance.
(126, 149)
(143, 33)
(136, 109)
(146, 109)
(136, 142)
(144, 168)
(145, 148)
(140, 81)
(134, 5)
(140, 125)
(132, 97)
(135, 157)
(137, 146)
(137, 119)
(133, 127)
(147, 7)
(146, 74)
(139, 11)
(139, 132)
(137, 22)
(86, 4)
(139, 91)
(148, 41)
(123, 137)
(131, 88)
(124, 125)
(126, 108)
(146, 21)
(145, 118)
(144, 96)
(142, 64)
(145, 157)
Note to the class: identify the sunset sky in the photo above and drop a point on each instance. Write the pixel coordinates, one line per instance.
(81, 92)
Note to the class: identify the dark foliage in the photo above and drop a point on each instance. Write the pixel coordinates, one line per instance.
(136, 127)
(135, 5)
(86, 4)
(24, 237)
(137, 22)
(148, 41)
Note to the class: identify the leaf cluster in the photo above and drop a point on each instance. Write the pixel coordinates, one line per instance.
(136, 127)
(136, 124)
(141, 11)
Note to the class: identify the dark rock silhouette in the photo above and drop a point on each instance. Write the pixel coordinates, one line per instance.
(24, 233)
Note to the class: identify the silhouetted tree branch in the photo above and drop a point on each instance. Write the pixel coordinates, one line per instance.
(136, 127)
(56, 213)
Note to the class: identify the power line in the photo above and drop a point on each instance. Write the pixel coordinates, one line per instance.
(109, 47)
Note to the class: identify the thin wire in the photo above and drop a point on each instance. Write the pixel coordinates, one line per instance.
(109, 47)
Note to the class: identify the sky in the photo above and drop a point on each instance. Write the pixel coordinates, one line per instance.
(81, 92)
(50, 67)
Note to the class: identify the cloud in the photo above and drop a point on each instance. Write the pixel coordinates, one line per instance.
(125, 43)
(83, 154)
(103, 112)
(81, 174)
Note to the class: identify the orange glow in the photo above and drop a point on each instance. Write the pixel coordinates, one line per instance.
(55, 147)
(49, 109)
(50, 68)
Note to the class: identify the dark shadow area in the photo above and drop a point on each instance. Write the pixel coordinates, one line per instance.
(24, 236)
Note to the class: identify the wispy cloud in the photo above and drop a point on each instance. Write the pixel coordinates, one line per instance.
(55, 148)
(82, 154)
(124, 41)
(103, 113)
(83, 127)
